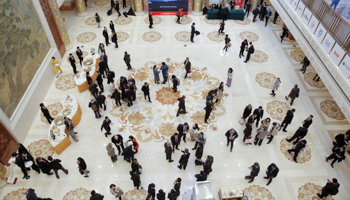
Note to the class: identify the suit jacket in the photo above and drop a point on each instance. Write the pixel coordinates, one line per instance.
(55, 164)
(255, 171)
(111, 26)
(168, 148)
(184, 158)
(301, 132)
(273, 172)
(228, 134)
(100, 99)
(307, 123)
(114, 37)
(31, 194)
(251, 49)
(127, 58)
(89, 79)
(181, 129)
(173, 141)
(44, 166)
(299, 146)
(105, 34)
(72, 60)
(93, 88)
(45, 111)
(102, 65)
(247, 112)
(181, 102)
(259, 114)
(256, 11)
(99, 79)
(187, 65)
(20, 160)
(177, 186)
(116, 95)
(289, 117)
(209, 107)
(106, 124)
(150, 18)
(330, 188)
(200, 177)
(79, 53)
(161, 196)
(294, 93)
(193, 29)
(199, 152)
(97, 197)
(248, 130)
(172, 196)
(120, 139)
(82, 165)
(340, 140)
(248, 6)
(145, 89)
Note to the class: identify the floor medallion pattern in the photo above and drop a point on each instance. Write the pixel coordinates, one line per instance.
(277, 109)
(102, 2)
(85, 53)
(158, 121)
(246, 21)
(41, 148)
(215, 37)
(304, 155)
(16, 195)
(65, 82)
(121, 35)
(91, 21)
(54, 109)
(135, 195)
(183, 36)
(297, 55)
(332, 110)
(309, 191)
(212, 21)
(308, 78)
(156, 20)
(265, 79)
(122, 20)
(184, 20)
(78, 194)
(250, 36)
(86, 37)
(259, 56)
(151, 36)
(256, 192)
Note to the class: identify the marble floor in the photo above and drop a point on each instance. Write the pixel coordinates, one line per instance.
(152, 124)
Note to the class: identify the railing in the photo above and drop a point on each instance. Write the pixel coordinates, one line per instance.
(332, 21)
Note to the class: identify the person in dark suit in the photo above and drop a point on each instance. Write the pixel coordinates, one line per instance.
(112, 4)
(106, 125)
(72, 63)
(247, 111)
(80, 55)
(21, 148)
(247, 8)
(116, 97)
(101, 100)
(105, 35)
(82, 167)
(30, 195)
(183, 129)
(275, 17)
(93, 89)
(308, 121)
(175, 141)
(99, 80)
(150, 19)
(222, 27)
(300, 145)
(231, 135)
(152, 190)
(248, 129)
(288, 119)
(161, 195)
(294, 93)
(207, 164)
(225, 12)
(175, 83)
(244, 45)
(284, 33)
(118, 141)
(177, 186)
(115, 38)
(187, 64)
(249, 51)
(184, 159)
(172, 195)
(256, 12)
(193, 30)
(267, 17)
(199, 151)
(103, 67)
(259, 112)
(21, 161)
(124, 3)
(43, 165)
(94, 106)
(127, 60)
(88, 78)
(110, 77)
(129, 95)
(46, 113)
(341, 140)
(208, 108)
(56, 165)
(116, 7)
(254, 171)
(271, 172)
(305, 63)
(135, 177)
(227, 40)
(201, 176)
(168, 151)
(263, 11)
(298, 135)
(182, 106)
(145, 90)
(331, 188)
(96, 196)
(111, 24)
(337, 155)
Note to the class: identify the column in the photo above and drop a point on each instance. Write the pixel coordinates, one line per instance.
(139, 10)
(254, 3)
(59, 21)
(197, 7)
(81, 8)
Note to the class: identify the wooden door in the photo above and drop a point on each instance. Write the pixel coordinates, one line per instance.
(7, 145)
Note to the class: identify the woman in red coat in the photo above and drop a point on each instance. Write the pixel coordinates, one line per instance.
(134, 143)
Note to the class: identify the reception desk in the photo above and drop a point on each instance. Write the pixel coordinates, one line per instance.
(234, 14)
(80, 79)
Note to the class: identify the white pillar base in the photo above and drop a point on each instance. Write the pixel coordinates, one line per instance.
(196, 13)
(140, 13)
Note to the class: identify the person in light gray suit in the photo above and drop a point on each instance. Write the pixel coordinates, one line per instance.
(262, 132)
(111, 152)
(275, 86)
(156, 74)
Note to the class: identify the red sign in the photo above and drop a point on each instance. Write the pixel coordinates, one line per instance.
(239, 3)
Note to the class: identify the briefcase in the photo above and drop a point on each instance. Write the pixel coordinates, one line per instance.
(228, 44)
(109, 12)
(197, 32)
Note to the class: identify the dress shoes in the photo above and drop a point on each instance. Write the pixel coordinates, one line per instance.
(250, 181)
(171, 160)
(284, 130)
(266, 177)
(179, 167)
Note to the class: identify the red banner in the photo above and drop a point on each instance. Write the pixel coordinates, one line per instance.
(239, 3)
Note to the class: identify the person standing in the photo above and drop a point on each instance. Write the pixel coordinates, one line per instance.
(247, 111)
(150, 19)
(267, 17)
(115, 38)
(202, 176)
(82, 167)
(231, 135)
(294, 93)
(124, 4)
(106, 125)
(300, 145)
(116, 191)
(56, 65)
(164, 69)
(199, 153)
(175, 141)
(161, 195)
(187, 64)
(98, 20)
(112, 4)
(229, 77)
(273, 131)
(101, 100)
(88, 78)
(183, 129)
(116, 97)
(331, 188)
(177, 186)
(105, 35)
(259, 112)
(284, 33)
(127, 60)
(168, 151)
(93, 89)
(271, 172)
(184, 159)
(46, 113)
(94, 106)
(254, 171)
(336, 155)
(208, 108)
(261, 133)
(263, 11)
(80, 55)
(256, 12)
(275, 86)
(244, 45)
(175, 83)
(222, 27)
(250, 51)
(56, 165)
(308, 121)
(248, 131)
(179, 15)
(152, 190)
(298, 135)
(305, 63)
(288, 119)
(156, 74)
(99, 80)
(117, 140)
(200, 139)
(72, 63)
(135, 177)
(247, 8)
(145, 90)
(275, 17)
(21, 161)
(182, 106)
(111, 152)
(207, 164)
(111, 24)
(334, 4)
(70, 128)
(193, 30)
(116, 7)
(227, 43)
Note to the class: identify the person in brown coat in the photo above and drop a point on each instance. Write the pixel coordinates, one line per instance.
(111, 152)
(294, 93)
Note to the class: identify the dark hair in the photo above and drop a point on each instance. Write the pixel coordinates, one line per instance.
(106, 117)
(149, 196)
(176, 134)
(41, 104)
(70, 54)
(53, 57)
(178, 179)
(251, 43)
(335, 180)
(87, 73)
(163, 63)
(273, 165)
(14, 154)
(260, 106)
(77, 47)
(131, 137)
(125, 52)
(312, 116)
(185, 123)
(145, 82)
(112, 185)
(274, 123)
(93, 191)
(193, 23)
(230, 70)
(49, 158)
(293, 110)
(161, 191)
(154, 66)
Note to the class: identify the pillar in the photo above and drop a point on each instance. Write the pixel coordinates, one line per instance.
(139, 9)
(81, 8)
(59, 21)
(197, 7)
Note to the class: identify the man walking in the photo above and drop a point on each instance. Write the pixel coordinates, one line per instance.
(70, 128)
(187, 64)
(56, 165)
(284, 33)
(305, 63)
(308, 121)
(145, 90)
(105, 35)
(182, 106)
(164, 69)
(249, 51)
(256, 12)
(268, 15)
(208, 108)
(275, 86)
(101, 100)
(301, 145)
(80, 55)
(99, 80)
(72, 63)
(150, 19)
(247, 8)
(193, 30)
(288, 119)
(46, 113)
(175, 141)
(106, 125)
(263, 11)
(271, 172)
(116, 7)
(127, 60)
(184, 159)
(231, 135)
(168, 151)
(94, 106)
(294, 93)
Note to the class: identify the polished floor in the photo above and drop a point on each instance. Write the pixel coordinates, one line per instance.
(153, 123)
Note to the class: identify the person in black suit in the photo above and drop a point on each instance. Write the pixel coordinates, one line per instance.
(115, 38)
(152, 190)
(150, 19)
(72, 63)
(259, 112)
(187, 64)
(96, 196)
(225, 12)
(177, 186)
(254, 171)
(105, 35)
(111, 24)
(284, 33)
(271, 172)
(202, 176)
(288, 119)
(175, 141)
(193, 30)
(21, 148)
(184, 159)
(43, 165)
(248, 129)
(118, 141)
(275, 17)
(231, 135)
(175, 83)
(56, 165)
(30, 195)
(99, 80)
(337, 155)
(341, 140)
(88, 78)
(183, 129)
(331, 188)
(256, 12)
(135, 177)
(222, 27)
(305, 63)
(247, 8)
(116, 97)
(112, 4)
(127, 60)
(80, 55)
(110, 77)
(182, 106)
(46, 113)
(308, 121)
(21, 161)
(298, 135)
(300, 145)
(227, 40)
(207, 164)
(94, 106)
(208, 108)
(101, 100)
(161, 195)
(102, 66)
(116, 7)
(145, 90)
(106, 125)
(93, 89)
(199, 151)
(263, 11)
(250, 50)
(129, 95)
(168, 151)
(247, 111)
(172, 195)
(267, 17)
(244, 45)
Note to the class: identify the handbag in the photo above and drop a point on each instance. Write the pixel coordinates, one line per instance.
(228, 44)
(189, 74)
(241, 121)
